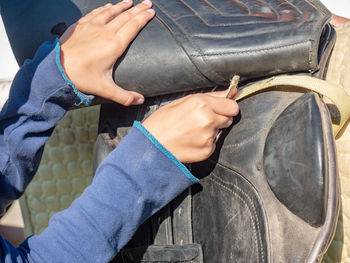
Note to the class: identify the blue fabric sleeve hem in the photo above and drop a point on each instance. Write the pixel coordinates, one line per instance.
(167, 153)
(83, 99)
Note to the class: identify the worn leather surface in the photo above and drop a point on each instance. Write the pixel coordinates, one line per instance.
(295, 160)
(233, 212)
(191, 253)
(222, 38)
(228, 217)
(191, 44)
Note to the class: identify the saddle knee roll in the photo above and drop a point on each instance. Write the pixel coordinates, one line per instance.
(295, 160)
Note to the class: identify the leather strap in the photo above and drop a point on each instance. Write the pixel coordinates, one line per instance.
(334, 92)
(162, 227)
(182, 218)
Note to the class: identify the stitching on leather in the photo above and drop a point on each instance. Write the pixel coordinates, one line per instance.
(184, 30)
(235, 24)
(320, 22)
(310, 56)
(259, 246)
(251, 51)
(202, 55)
(255, 233)
(181, 46)
(254, 210)
(220, 13)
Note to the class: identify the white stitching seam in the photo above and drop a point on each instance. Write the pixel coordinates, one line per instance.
(257, 225)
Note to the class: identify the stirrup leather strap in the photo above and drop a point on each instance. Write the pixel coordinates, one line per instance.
(334, 92)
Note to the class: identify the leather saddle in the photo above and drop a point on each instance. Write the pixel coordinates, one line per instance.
(270, 191)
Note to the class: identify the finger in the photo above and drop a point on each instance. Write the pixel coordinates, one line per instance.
(220, 93)
(113, 92)
(129, 31)
(223, 106)
(112, 12)
(222, 122)
(126, 16)
(94, 12)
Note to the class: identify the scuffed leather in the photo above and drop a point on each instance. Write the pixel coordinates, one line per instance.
(190, 44)
(327, 42)
(234, 214)
(228, 217)
(191, 253)
(194, 44)
(295, 160)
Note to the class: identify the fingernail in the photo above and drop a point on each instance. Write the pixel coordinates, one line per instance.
(139, 101)
(150, 10)
(146, 2)
(108, 5)
(127, 1)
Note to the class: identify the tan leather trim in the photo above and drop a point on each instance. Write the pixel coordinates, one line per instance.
(334, 92)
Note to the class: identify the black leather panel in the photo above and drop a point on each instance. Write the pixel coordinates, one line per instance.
(224, 202)
(190, 44)
(191, 253)
(241, 150)
(156, 64)
(239, 154)
(182, 218)
(162, 227)
(263, 35)
(295, 159)
(325, 49)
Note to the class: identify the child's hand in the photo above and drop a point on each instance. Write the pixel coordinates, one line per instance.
(188, 127)
(91, 46)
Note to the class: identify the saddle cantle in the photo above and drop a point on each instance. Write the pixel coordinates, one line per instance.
(270, 192)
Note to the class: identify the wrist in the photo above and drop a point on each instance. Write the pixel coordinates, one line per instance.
(84, 99)
(165, 151)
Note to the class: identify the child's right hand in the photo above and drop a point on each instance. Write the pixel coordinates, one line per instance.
(188, 127)
(91, 46)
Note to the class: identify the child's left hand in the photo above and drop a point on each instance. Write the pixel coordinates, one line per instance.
(91, 46)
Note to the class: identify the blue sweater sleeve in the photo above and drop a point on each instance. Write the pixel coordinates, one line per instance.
(135, 181)
(138, 178)
(38, 99)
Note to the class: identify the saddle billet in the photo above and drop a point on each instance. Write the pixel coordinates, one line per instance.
(270, 191)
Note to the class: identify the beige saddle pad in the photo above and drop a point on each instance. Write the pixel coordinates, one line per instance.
(339, 73)
(65, 169)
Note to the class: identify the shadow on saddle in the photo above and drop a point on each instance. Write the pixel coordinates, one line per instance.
(270, 191)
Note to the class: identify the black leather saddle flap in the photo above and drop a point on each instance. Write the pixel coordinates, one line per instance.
(195, 44)
(269, 193)
(191, 44)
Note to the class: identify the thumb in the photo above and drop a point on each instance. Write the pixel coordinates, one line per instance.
(122, 96)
